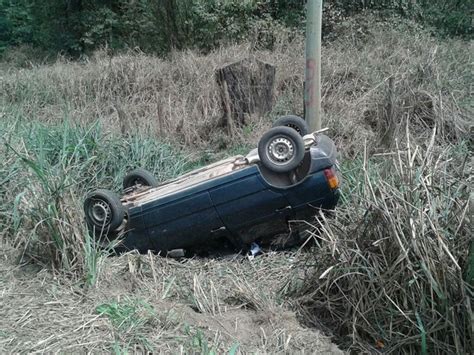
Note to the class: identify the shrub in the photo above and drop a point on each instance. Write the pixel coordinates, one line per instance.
(452, 17)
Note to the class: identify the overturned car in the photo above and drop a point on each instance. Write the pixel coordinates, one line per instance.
(237, 200)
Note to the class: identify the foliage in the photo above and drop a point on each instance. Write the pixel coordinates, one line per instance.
(129, 319)
(154, 26)
(126, 314)
(15, 23)
(198, 342)
(77, 27)
(450, 17)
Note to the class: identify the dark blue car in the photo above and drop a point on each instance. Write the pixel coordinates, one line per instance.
(238, 200)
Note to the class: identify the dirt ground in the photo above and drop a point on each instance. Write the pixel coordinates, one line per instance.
(149, 303)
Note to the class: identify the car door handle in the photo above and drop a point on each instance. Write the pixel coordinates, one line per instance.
(283, 209)
(220, 229)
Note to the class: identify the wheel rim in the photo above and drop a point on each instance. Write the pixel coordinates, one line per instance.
(100, 213)
(280, 150)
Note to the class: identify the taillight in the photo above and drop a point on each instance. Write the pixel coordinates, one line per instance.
(331, 178)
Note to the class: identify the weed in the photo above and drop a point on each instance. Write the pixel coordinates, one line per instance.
(179, 99)
(129, 318)
(197, 342)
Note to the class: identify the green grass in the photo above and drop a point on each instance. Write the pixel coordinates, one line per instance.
(196, 342)
(47, 171)
(129, 318)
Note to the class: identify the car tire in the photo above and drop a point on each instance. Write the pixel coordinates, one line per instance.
(281, 149)
(139, 177)
(103, 210)
(295, 122)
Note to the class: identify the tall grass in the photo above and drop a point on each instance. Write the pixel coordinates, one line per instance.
(178, 99)
(46, 172)
(392, 271)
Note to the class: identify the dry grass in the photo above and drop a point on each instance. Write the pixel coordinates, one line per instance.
(178, 98)
(148, 303)
(392, 271)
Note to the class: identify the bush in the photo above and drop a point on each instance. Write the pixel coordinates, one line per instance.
(161, 26)
(452, 17)
(153, 26)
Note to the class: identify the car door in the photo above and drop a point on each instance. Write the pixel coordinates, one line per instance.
(247, 203)
(186, 219)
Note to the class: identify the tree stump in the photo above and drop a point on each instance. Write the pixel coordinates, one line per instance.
(246, 88)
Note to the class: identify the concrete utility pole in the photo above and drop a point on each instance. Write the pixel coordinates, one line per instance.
(312, 95)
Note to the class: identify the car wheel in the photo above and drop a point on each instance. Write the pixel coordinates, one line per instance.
(281, 149)
(103, 210)
(139, 177)
(295, 122)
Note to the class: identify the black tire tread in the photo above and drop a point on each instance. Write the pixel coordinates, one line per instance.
(293, 121)
(147, 177)
(116, 207)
